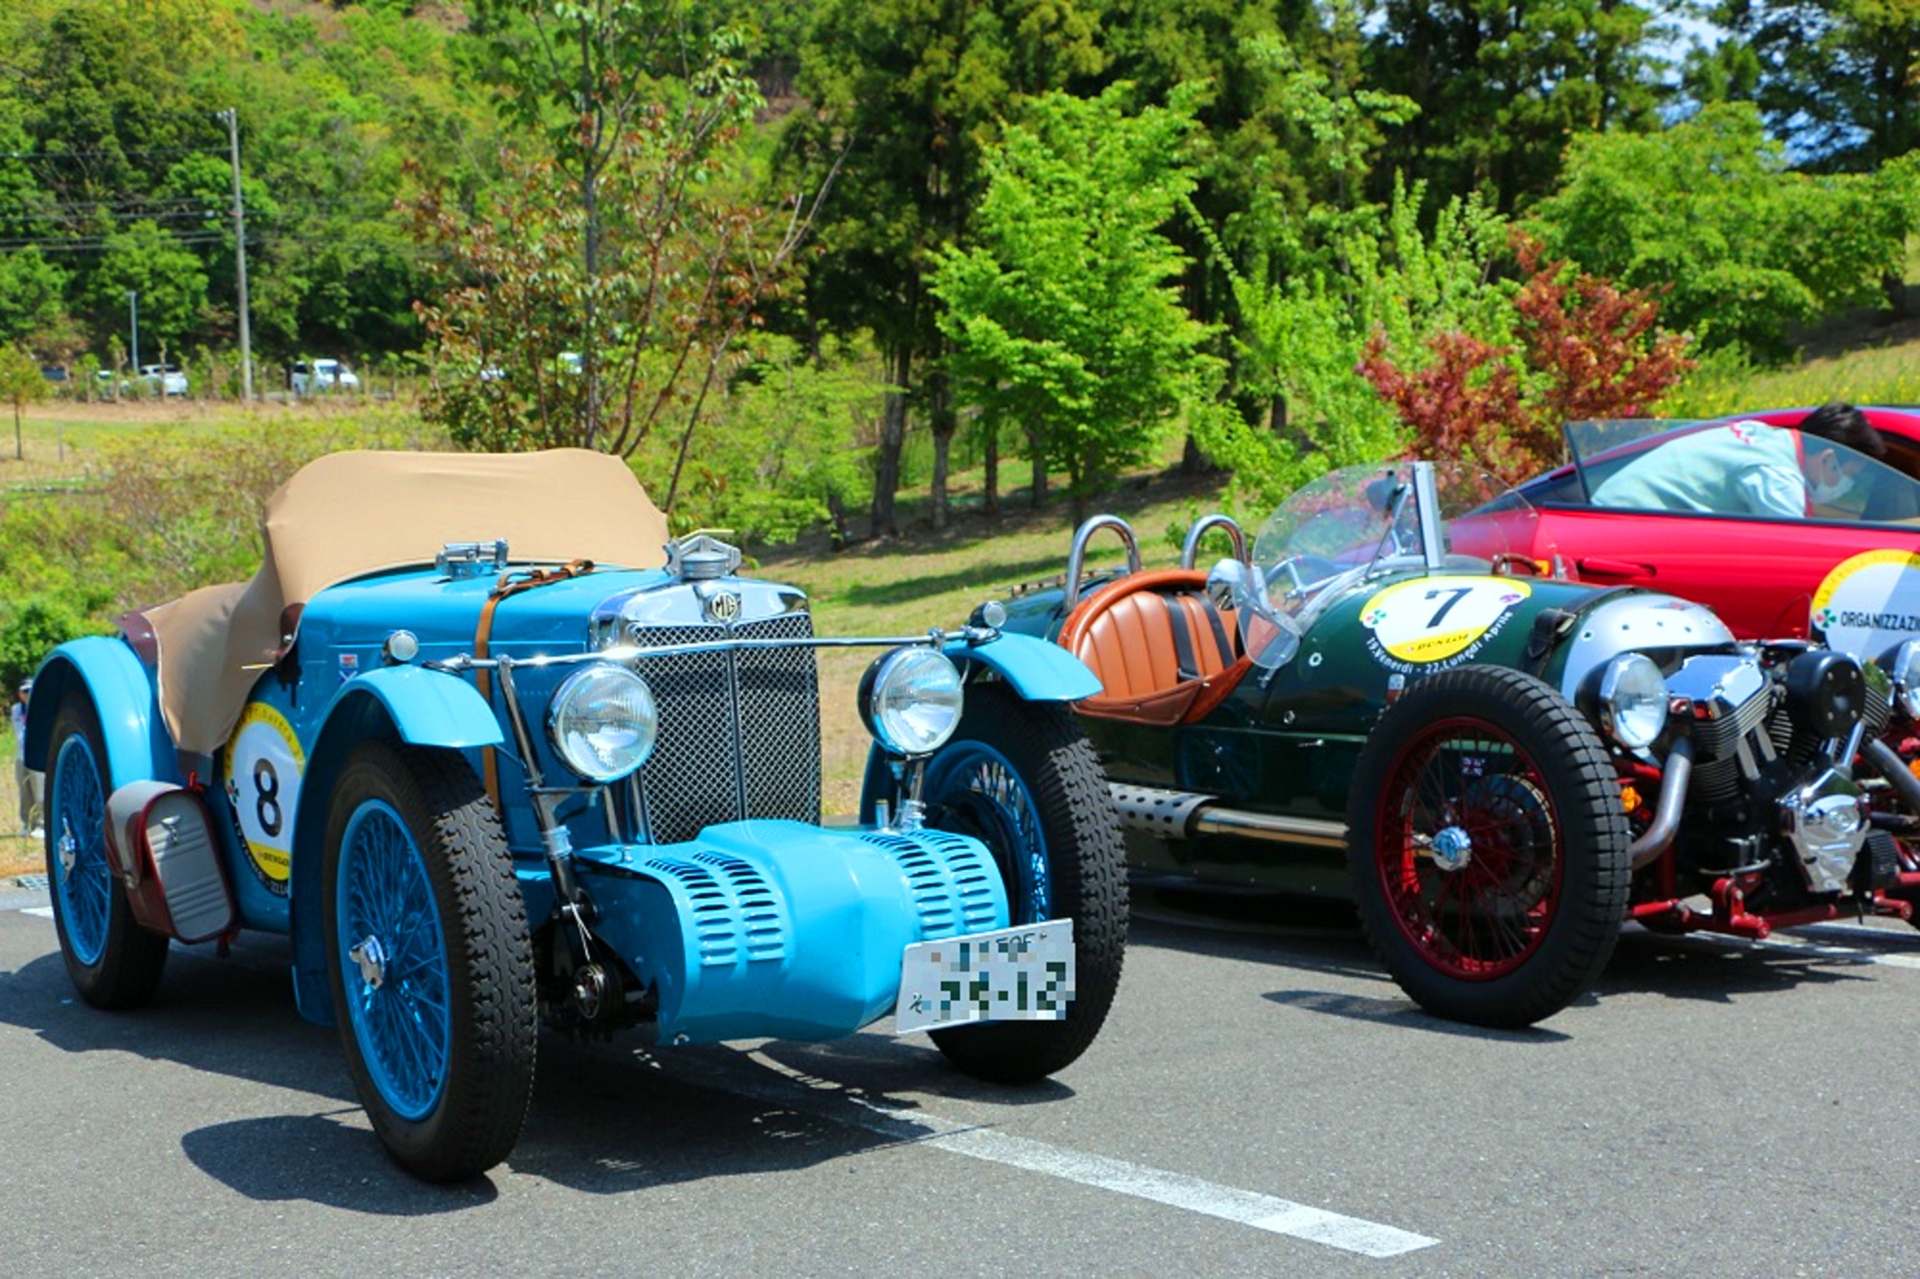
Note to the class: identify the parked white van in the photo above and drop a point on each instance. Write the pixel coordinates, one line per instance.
(316, 377)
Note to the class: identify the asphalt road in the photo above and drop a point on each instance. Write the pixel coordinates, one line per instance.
(1262, 1102)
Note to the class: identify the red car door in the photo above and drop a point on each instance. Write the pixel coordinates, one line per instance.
(1763, 574)
(1760, 576)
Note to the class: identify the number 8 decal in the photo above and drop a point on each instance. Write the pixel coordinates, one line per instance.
(261, 770)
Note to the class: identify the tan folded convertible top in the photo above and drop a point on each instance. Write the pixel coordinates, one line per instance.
(349, 514)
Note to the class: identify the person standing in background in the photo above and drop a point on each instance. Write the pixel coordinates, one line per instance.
(29, 782)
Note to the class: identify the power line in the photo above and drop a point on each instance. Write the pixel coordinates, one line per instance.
(111, 155)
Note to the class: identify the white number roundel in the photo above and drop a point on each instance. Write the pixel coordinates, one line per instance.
(1431, 619)
(262, 779)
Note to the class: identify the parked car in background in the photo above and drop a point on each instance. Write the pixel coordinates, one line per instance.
(317, 377)
(1846, 573)
(163, 379)
(572, 773)
(1498, 766)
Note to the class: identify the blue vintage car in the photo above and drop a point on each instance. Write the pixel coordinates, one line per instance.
(492, 750)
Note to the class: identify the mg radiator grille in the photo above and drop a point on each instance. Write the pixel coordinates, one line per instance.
(739, 732)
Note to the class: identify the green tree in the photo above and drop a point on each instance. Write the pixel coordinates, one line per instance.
(792, 451)
(1709, 211)
(608, 84)
(34, 626)
(1303, 339)
(1288, 134)
(1503, 86)
(1064, 319)
(21, 384)
(908, 92)
(607, 314)
(1837, 80)
(170, 282)
(32, 296)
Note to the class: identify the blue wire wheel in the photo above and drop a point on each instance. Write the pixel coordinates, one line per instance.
(393, 964)
(979, 792)
(82, 880)
(429, 958)
(112, 961)
(1022, 778)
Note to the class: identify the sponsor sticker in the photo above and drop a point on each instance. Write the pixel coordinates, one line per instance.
(261, 776)
(1436, 622)
(1868, 603)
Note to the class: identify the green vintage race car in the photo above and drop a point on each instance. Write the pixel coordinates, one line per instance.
(1498, 764)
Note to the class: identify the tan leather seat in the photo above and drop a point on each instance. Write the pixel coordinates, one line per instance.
(1158, 645)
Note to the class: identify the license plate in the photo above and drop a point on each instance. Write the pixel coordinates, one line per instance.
(1015, 974)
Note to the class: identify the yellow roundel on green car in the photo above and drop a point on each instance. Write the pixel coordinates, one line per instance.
(1431, 619)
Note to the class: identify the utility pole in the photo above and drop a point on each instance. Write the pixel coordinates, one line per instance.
(133, 307)
(232, 116)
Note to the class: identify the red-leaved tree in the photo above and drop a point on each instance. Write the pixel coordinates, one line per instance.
(1589, 350)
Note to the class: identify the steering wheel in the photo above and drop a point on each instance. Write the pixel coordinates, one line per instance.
(1509, 564)
(1301, 572)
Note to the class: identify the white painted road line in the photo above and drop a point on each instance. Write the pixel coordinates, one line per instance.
(1176, 1190)
(1853, 954)
(45, 912)
(1820, 949)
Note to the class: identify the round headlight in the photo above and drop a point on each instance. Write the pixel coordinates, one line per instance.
(1905, 670)
(910, 700)
(1633, 700)
(603, 722)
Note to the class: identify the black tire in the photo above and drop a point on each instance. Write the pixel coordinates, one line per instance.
(443, 1055)
(1050, 785)
(114, 962)
(1494, 769)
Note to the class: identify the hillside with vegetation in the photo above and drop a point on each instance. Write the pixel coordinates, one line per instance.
(860, 269)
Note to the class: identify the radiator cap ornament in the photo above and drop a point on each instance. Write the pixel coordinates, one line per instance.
(701, 557)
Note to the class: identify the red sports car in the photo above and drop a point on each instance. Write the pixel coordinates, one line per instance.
(1846, 571)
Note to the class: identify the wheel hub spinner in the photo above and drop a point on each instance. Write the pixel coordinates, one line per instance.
(1452, 848)
(372, 959)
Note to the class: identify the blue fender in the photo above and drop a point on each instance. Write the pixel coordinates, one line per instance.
(125, 699)
(1038, 670)
(423, 708)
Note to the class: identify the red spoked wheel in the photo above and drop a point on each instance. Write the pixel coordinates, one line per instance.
(1488, 847)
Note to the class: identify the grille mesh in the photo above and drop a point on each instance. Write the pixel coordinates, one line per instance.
(739, 732)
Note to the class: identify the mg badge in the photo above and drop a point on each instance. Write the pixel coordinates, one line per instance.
(724, 607)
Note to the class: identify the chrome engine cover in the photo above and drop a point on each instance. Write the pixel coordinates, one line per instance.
(1639, 623)
(1826, 823)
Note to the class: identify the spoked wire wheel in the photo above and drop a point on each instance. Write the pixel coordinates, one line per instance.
(1021, 778)
(429, 959)
(112, 961)
(1488, 846)
(1468, 853)
(396, 977)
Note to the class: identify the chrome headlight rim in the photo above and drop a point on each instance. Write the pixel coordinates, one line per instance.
(1903, 667)
(612, 758)
(1632, 698)
(911, 700)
